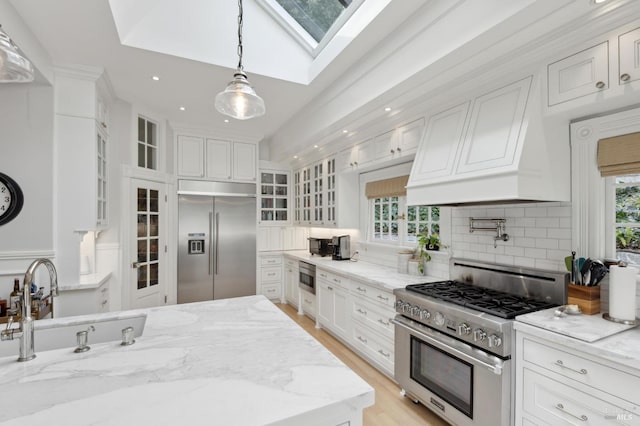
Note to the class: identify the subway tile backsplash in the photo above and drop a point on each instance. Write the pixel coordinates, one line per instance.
(539, 235)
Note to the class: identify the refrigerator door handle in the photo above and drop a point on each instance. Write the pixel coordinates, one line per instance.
(210, 240)
(215, 267)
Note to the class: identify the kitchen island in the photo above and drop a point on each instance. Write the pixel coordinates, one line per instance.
(227, 362)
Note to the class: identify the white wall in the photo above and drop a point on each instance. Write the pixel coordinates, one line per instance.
(26, 146)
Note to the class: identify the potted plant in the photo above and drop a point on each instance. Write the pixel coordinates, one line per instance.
(421, 251)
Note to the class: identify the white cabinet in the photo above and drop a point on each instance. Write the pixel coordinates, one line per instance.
(82, 301)
(372, 333)
(385, 146)
(199, 157)
(307, 304)
(560, 385)
(190, 149)
(357, 156)
(218, 160)
(581, 74)
(270, 273)
(291, 278)
(629, 55)
(399, 142)
(272, 238)
(324, 197)
(332, 293)
(274, 197)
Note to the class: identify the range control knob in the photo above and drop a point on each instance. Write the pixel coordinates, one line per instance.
(399, 304)
(464, 329)
(494, 341)
(415, 310)
(439, 319)
(406, 307)
(425, 315)
(479, 335)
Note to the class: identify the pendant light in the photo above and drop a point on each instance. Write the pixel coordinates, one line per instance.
(239, 100)
(14, 66)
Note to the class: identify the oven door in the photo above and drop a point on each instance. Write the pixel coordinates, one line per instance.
(463, 384)
(307, 277)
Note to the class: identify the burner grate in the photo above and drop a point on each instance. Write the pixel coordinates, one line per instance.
(499, 303)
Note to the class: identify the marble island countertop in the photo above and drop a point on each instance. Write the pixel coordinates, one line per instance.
(590, 334)
(379, 276)
(234, 362)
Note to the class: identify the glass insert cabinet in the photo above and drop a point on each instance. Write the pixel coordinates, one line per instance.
(274, 196)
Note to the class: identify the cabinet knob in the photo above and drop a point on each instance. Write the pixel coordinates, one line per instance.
(625, 77)
(351, 164)
(600, 85)
(355, 163)
(393, 151)
(398, 149)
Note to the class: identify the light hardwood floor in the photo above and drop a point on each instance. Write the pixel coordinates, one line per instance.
(391, 408)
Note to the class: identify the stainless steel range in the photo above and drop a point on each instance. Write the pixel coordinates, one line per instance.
(454, 339)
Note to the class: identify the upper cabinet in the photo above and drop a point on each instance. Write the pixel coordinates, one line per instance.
(211, 159)
(274, 197)
(581, 74)
(629, 55)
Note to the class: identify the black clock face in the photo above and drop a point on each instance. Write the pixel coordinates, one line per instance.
(11, 199)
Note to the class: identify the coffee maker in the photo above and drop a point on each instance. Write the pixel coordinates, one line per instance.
(341, 247)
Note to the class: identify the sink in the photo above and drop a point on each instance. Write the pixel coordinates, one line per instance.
(60, 333)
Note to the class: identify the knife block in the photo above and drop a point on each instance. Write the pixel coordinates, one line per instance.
(587, 298)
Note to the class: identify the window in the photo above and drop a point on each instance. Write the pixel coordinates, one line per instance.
(147, 143)
(627, 218)
(316, 17)
(392, 221)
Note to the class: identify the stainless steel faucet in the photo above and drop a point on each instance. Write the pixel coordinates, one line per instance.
(25, 331)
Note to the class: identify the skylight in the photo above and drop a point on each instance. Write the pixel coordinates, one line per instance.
(316, 17)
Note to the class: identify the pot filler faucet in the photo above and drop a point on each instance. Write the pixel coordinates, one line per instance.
(25, 331)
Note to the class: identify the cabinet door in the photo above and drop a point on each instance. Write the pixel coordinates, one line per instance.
(365, 153)
(318, 188)
(629, 45)
(494, 128)
(341, 318)
(346, 158)
(274, 197)
(325, 304)
(443, 137)
(385, 145)
(244, 162)
(408, 137)
(218, 159)
(330, 198)
(578, 75)
(190, 156)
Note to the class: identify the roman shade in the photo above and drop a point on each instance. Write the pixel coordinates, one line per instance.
(393, 187)
(619, 155)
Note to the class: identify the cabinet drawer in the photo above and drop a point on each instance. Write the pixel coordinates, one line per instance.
(102, 298)
(607, 379)
(291, 263)
(377, 348)
(270, 260)
(333, 279)
(380, 296)
(558, 404)
(271, 291)
(374, 316)
(270, 274)
(308, 303)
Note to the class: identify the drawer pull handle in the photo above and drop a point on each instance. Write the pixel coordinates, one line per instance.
(625, 77)
(104, 302)
(323, 275)
(364, 290)
(362, 311)
(384, 322)
(559, 363)
(383, 353)
(362, 339)
(582, 417)
(600, 85)
(386, 299)
(306, 301)
(337, 280)
(330, 288)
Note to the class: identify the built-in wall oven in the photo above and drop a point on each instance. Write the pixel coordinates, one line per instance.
(307, 278)
(454, 339)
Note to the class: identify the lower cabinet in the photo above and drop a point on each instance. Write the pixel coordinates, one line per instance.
(307, 304)
(291, 278)
(82, 301)
(333, 302)
(557, 385)
(270, 274)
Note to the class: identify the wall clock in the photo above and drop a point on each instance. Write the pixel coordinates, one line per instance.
(11, 199)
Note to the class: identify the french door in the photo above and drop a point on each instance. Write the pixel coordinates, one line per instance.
(148, 240)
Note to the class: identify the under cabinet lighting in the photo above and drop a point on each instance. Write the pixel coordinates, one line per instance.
(599, 1)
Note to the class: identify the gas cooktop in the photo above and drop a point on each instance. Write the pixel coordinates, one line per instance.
(494, 302)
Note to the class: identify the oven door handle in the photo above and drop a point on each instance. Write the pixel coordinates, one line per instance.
(496, 368)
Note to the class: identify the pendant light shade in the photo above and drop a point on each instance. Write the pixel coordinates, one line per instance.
(14, 66)
(239, 100)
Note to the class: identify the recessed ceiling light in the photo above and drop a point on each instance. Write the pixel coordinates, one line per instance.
(599, 1)
(182, 108)
(155, 78)
(345, 131)
(295, 156)
(387, 109)
(226, 120)
(315, 146)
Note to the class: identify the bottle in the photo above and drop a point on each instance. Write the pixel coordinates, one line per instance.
(14, 297)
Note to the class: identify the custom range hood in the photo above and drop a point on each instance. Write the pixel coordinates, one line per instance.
(492, 149)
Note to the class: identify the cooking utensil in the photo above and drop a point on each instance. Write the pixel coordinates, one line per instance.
(598, 272)
(585, 271)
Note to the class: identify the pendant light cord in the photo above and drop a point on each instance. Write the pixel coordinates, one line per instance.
(240, 35)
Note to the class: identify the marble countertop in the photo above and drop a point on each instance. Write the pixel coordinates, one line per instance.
(87, 282)
(370, 273)
(234, 362)
(621, 346)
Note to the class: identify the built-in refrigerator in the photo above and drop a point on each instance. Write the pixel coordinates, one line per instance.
(216, 240)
